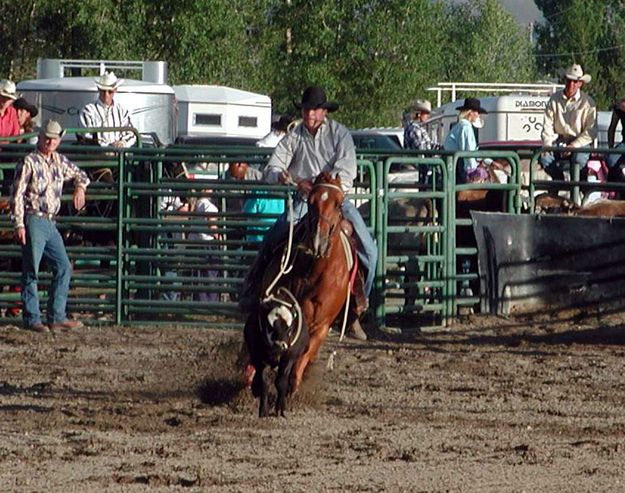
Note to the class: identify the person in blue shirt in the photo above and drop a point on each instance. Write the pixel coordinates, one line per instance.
(461, 137)
(264, 206)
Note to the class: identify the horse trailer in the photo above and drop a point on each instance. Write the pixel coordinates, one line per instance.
(516, 116)
(222, 111)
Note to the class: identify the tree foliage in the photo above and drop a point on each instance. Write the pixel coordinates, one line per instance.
(588, 32)
(373, 56)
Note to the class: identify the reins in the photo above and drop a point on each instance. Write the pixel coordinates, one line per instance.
(285, 268)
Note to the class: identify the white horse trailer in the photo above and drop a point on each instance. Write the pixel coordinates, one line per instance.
(222, 111)
(151, 103)
(516, 116)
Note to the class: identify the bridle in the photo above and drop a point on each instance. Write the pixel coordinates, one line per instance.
(321, 217)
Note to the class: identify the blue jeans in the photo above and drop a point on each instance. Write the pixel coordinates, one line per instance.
(552, 163)
(613, 159)
(44, 240)
(367, 249)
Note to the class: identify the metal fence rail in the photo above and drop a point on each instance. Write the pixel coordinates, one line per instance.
(135, 261)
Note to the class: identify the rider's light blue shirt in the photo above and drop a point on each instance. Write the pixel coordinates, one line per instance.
(461, 137)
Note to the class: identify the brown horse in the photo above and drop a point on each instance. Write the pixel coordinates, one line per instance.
(319, 277)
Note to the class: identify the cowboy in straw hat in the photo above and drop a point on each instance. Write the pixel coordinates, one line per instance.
(317, 144)
(415, 133)
(106, 112)
(570, 122)
(9, 123)
(34, 215)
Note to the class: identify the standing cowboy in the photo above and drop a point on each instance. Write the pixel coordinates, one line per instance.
(36, 202)
(106, 112)
(317, 144)
(415, 134)
(570, 122)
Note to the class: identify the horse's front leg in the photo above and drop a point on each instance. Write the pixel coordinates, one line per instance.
(317, 335)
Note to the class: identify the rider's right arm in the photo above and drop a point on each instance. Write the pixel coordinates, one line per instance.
(280, 160)
(86, 119)
(612, 129)
(23, 173)
(548, 134)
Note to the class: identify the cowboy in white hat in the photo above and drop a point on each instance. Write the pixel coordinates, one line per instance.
(36, 201)
(570, 122)
(415, 134)
(9, 123)
(106, 112)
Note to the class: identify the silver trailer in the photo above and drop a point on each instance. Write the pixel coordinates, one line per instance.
(152, 104)
(222, 111)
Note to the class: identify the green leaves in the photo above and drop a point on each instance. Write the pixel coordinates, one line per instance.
(372, 56)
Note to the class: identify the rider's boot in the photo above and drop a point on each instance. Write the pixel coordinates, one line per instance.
(355, 331)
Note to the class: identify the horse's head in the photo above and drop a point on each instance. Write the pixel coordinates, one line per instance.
(324, 209)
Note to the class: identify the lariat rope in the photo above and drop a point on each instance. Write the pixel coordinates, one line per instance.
(285, 268)
(289, 306)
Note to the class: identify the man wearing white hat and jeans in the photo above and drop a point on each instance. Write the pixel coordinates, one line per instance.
(106, 112)
(570, 122)
(35, 203)
(9, 123)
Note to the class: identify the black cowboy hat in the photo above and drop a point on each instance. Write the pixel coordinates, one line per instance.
(315, 97)
(472, 104)
(22, 104)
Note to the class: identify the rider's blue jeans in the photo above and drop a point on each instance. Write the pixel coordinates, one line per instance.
(552, 163)
(613, 159)
(44, 240)
(367, 249)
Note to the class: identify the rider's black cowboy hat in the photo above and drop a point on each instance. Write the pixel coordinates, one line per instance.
(315, 97)
(472, 104)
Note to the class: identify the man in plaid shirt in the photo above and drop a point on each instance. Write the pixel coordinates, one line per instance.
(415, 135)
(36, 201)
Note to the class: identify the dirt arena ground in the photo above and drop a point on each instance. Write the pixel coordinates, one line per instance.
(492, 405)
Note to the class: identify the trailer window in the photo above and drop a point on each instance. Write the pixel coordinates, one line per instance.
(207, 119)
(248, 121)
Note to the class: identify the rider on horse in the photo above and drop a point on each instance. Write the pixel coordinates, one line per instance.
(316, 144)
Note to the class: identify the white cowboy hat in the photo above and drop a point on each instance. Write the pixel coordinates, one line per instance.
(575, 72)
(421, 105)
(108, 81)
(8, 89)
(53, 130)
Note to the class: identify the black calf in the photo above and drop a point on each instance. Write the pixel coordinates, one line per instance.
(276, 336)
